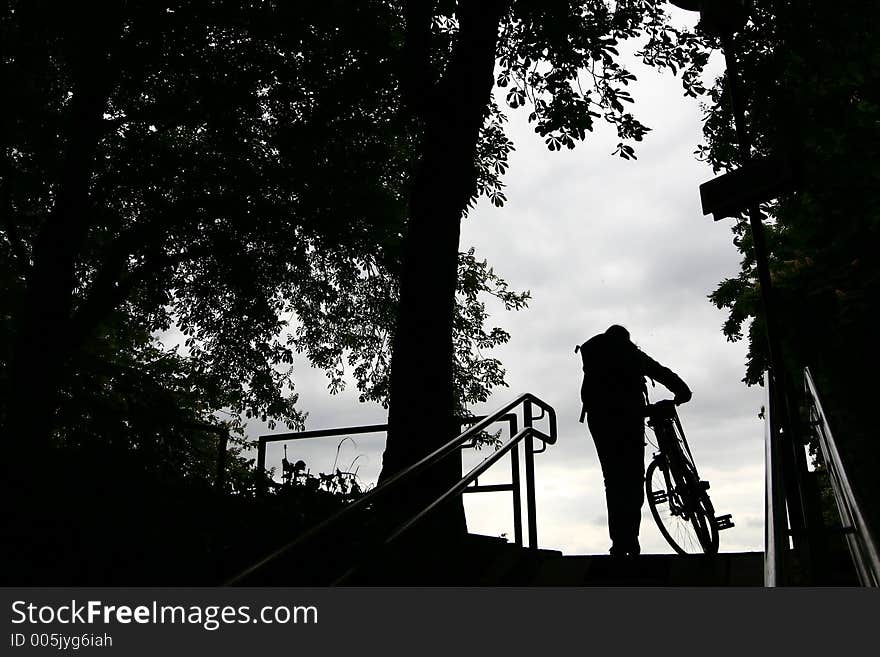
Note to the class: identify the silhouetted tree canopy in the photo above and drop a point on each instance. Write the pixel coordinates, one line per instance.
(208, 170)
(810, 80)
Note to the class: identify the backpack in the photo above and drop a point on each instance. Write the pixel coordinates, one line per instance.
(613, 375)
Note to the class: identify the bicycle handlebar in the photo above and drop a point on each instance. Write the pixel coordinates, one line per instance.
(664, 407)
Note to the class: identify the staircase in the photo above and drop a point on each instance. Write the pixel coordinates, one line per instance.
(488, 561)
(341, 551)
(732, 569)
(337, 552)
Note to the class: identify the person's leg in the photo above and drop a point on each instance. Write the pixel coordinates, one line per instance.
(632, 467)
(608, 448)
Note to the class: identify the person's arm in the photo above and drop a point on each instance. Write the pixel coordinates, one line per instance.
(587, 349)
(667, 377)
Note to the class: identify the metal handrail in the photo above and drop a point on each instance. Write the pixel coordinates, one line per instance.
(513, 487)
(459, 488)
(317, 433)
(527, 433)
(342, 431)
(775, 522)
(859, 538)
(470, 477)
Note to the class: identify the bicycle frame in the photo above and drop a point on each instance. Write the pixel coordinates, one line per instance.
(673, 454)
(683, 492)
(671, 440)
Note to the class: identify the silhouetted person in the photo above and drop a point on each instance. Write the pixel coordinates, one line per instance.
(614, 398)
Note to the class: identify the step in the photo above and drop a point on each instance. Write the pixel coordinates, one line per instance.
(726, 569)
(477, 560)
(459, 563)
(513, 565)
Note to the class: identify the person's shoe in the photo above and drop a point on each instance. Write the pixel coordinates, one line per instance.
(632, 550)
(617, 551)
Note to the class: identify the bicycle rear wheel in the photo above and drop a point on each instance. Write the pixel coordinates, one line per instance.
(681, 508)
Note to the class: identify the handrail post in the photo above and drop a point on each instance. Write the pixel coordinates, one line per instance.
(531, 509)
(515, 482)
(775, 522)
(261, 464)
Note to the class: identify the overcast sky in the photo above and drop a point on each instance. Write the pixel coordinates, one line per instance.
(597, 240)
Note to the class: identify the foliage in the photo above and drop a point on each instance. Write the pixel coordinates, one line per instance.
(345, 485)
(562, 60)
(810, 85)
(811, 75)
(126, 393)
(473, 374)
(251, 168)
(357, 308)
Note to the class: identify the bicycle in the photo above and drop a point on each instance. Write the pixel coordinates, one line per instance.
(676, 495)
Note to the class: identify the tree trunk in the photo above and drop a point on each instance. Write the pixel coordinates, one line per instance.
(42, 341)
(422, 399)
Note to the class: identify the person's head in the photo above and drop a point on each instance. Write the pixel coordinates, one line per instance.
(617, 332)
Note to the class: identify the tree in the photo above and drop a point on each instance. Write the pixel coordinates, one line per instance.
(208, 168)
(543, 51)
(810, 83)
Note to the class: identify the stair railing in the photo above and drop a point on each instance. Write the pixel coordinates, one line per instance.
(862, 545)
(513, 487)
(775, 517)
(526, 435)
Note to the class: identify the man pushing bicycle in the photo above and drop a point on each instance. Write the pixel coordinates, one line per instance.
(614, 397)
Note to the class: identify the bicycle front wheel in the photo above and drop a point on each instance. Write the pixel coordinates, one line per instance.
(681, 509)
